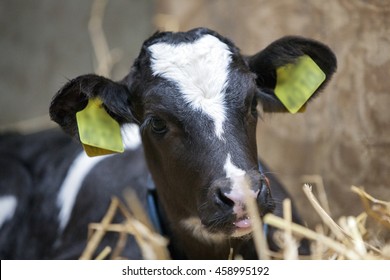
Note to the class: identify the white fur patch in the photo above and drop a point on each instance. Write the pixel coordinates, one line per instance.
(237, 178)
(239, 181)
(70, 187)
(200, 70)
(196, 227)
(131, 136)
(231, 170)
(8, 205)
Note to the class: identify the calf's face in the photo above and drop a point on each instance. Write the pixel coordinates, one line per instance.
(198, 123)
(195, 99)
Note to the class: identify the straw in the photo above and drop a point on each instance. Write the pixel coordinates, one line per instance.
(349, 238)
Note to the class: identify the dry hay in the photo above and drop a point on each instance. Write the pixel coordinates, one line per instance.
(152, 245)
(353, 237)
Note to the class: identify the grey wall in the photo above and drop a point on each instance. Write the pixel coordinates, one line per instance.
(43, 43)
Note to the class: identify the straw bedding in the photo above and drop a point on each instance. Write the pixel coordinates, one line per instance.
(365, 236)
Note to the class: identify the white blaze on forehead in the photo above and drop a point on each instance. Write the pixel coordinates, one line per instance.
(8, 205)
(200, 70)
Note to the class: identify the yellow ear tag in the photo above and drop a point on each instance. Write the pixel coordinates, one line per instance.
(99, 133)
(296, 82)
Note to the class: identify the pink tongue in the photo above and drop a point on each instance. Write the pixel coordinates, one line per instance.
(244, 223)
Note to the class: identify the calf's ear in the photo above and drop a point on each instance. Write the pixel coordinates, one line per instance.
(91, 108)
(290, 72)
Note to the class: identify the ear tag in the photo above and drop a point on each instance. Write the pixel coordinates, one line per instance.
(296, 82)
(99, 133)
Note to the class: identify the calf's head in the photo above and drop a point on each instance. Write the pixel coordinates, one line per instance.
(195, 99)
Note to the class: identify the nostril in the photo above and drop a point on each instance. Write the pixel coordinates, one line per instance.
(224, 199)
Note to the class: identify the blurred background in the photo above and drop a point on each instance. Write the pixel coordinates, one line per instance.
(344, 136)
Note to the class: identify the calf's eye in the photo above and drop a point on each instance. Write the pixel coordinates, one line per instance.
(158, 125)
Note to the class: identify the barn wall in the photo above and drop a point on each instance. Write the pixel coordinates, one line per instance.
(44, 43)
(344, 136)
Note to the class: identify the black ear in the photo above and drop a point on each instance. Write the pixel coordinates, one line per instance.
(74, 96)
(284, 51)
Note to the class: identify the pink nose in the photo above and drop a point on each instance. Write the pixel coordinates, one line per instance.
(238, 200)
(238, 197)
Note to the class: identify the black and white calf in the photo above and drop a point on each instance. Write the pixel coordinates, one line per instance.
(192, 99)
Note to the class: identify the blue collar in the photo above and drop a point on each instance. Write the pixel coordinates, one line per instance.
(152, 206)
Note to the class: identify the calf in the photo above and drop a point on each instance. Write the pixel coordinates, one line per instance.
(194, 99)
